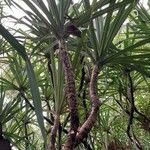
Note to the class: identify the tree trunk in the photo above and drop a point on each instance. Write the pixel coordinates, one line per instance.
(89, 123)
(71, 95)
(54, 133)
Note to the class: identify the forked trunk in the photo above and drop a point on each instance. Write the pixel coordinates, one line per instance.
(89, 123)
(71, 95)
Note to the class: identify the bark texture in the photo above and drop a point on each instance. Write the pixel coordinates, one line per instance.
(89, 123)
(54, 133)
(71, 95)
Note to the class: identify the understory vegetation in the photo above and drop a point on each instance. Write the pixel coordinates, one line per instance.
(74, 75)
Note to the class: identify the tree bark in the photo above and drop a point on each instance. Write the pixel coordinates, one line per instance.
(89, 123)
(71, 95)
(54, 133)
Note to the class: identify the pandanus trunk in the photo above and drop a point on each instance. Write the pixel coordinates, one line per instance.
(54, 133)
(89, 123)
(71, 95)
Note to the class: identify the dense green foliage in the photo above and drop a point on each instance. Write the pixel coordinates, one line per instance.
(113, 35)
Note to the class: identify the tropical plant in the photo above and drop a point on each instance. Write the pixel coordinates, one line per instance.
(84, 53)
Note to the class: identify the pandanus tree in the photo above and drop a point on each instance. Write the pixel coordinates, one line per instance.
(54, 23)
(58, 28)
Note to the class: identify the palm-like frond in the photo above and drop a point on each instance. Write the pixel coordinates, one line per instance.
(70, 41)
(32, 79)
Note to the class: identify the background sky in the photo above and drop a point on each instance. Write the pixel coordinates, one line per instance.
(19, 14)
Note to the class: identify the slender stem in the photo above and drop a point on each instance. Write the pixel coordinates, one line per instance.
(131, 100)
(26, 136)
(59, 137)
(130, 95)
